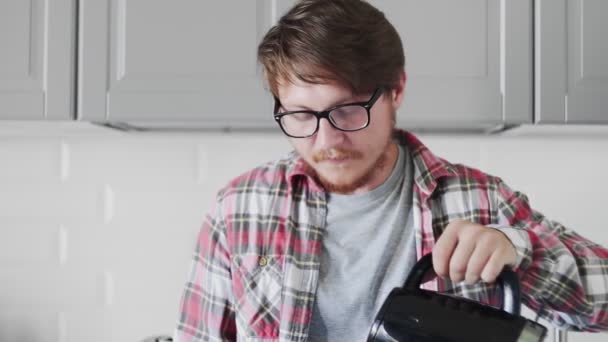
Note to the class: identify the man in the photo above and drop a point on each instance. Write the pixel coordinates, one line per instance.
(307, 247)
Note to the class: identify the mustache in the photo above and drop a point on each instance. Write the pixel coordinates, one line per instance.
(335, 153)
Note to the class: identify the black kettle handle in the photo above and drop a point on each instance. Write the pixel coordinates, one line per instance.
(507, 280)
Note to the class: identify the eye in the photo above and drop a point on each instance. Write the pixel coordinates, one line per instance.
(347, 111)
(349, 117)
(300, 117)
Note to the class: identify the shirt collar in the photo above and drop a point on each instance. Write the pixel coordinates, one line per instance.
(428, 168)
(300, 170)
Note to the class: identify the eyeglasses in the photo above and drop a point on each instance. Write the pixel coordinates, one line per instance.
(347, 117)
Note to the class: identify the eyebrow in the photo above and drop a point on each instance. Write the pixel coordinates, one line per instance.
(334, 104)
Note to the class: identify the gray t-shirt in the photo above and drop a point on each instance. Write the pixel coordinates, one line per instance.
(368, 249)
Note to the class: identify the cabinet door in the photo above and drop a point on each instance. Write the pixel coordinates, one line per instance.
(572, 59)
(36, 59)
(181, 62)
(469, 62)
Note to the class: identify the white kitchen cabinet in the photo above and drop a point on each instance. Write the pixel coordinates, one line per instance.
(173, 63)
(192, 63)
(571, 61)
(36, 59)
(469, 62)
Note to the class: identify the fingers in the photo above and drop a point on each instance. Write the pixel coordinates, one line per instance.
(442, 252)
(492, 268)
(471, 252)
(475, 267)
(460, 258)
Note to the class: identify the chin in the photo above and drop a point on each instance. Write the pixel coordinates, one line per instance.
(339, 182)
(336, 175)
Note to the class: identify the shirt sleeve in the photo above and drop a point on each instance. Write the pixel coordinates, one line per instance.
(559, 270)
(207, 311)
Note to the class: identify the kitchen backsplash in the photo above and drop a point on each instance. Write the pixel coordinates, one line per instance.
(97, 226)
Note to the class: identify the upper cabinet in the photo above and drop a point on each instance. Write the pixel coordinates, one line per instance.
(468, 62)
(471, 64)
(179, 62)
(191, 62)
(571, 61)
(36, 59)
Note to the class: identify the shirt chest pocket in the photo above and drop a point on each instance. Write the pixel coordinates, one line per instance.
(258, 284)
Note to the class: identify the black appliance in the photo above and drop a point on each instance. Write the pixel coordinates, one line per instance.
(412, 314)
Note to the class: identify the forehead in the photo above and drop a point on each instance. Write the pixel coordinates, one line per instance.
(317, 96)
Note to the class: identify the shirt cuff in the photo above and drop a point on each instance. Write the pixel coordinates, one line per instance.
(521, 241)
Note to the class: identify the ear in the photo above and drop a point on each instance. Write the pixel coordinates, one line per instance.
(398, 92)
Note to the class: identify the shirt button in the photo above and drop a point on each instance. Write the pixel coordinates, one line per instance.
(263, 261)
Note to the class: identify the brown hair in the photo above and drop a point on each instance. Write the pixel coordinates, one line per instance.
(346, 41)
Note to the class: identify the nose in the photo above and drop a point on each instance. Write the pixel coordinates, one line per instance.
(328, 136)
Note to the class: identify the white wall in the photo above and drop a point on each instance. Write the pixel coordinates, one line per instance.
(97, 226)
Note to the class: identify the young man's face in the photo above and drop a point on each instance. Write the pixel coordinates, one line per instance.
(344, 162)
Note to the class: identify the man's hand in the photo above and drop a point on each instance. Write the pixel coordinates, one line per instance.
(470, 251)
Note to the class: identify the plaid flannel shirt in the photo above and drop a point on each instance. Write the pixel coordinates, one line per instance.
(256, 265)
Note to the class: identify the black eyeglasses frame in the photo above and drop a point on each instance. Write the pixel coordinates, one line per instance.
(325, 114)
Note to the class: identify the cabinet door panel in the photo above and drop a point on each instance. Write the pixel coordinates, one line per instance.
(587, 62)
(572, 60)
(456, 60)
(36, 59)
(180, 61)
(469, 63)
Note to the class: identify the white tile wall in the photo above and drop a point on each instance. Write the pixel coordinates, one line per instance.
(97, 226)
